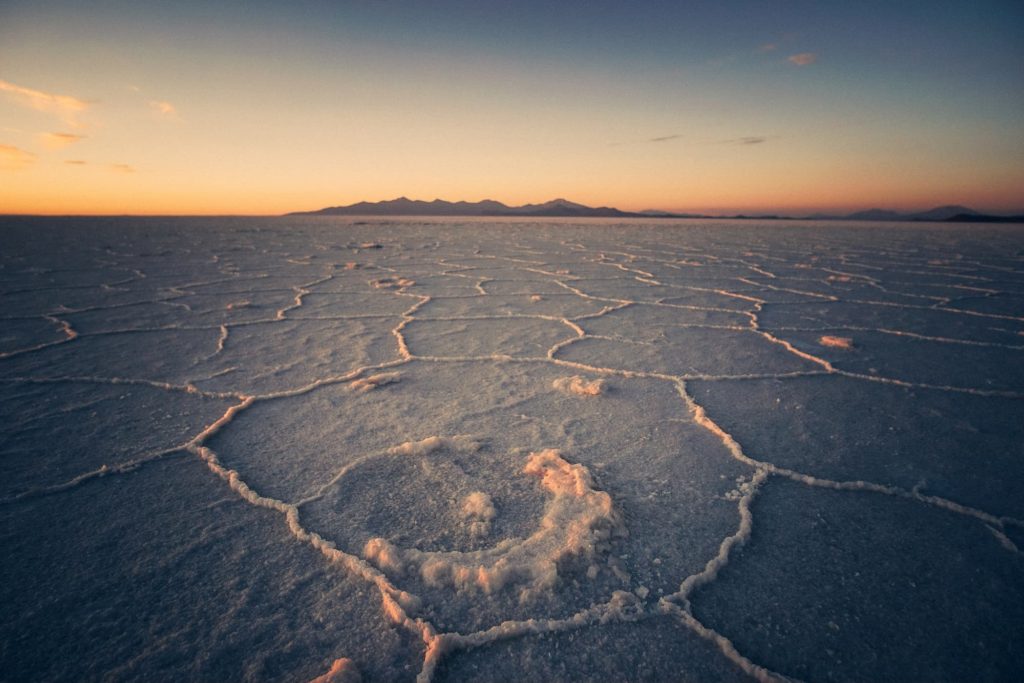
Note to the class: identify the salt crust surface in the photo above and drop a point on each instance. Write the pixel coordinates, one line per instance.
(342, 450)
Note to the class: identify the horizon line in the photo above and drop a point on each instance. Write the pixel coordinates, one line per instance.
(1006, 219)
(635, 214)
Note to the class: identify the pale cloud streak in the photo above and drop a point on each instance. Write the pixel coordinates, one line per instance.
(665, 138)
(122, 168)
(14, 159)
(164, 109)
(64, 106)
(803, 59)
(59, 140)
(746, 140)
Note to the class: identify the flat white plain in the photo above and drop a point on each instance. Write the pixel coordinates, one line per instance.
(284, 449)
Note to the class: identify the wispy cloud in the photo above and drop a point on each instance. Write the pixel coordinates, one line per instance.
(14, 159)
(59, 140)
(665, 138)
(64, 106)
(163, 109)
(746, 140)
(803, 59)
(76, 162)
(121, 168)
(769, 47)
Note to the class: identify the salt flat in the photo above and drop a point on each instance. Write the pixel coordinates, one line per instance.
(288, 448)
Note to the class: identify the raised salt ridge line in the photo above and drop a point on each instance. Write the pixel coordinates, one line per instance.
(64, 327)
(102, 471)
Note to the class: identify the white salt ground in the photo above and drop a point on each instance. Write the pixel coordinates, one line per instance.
(334, 450)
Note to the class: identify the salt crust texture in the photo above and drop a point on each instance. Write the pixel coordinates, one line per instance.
(504, 438)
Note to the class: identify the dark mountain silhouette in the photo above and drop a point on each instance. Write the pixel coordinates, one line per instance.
(488, 207)
(872, 215)
(403, 206)
(982, 218)
(943, 213)
(953, 213)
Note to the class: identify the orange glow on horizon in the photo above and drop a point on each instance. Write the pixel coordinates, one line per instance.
(91, 149)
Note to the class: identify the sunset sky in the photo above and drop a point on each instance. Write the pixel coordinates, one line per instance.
(268, 107)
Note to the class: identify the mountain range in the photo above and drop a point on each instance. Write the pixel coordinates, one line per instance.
(404, 206)
(488, 207)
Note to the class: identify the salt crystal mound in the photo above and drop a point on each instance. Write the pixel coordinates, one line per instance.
(835, 342)
(577, 525)
(322, 432)
(478, 509)
(580, 386)
(342, 670)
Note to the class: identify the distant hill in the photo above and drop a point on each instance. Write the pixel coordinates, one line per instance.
(982, 218)
(488, 207)
(952, 213)
(942, 213)
(563, 208)
(870, 215)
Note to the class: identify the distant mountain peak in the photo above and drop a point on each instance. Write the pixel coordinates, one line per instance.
(939, 213)
(403, 206)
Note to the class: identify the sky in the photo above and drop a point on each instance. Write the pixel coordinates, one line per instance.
(115, 107)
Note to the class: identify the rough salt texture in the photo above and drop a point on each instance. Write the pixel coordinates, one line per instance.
(339, 450)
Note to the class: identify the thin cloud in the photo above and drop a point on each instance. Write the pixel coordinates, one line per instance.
(59, 140)
(660, 138)
(769, 47)
(64, 106)
(14, 159)
(746, 140)
(76, 162)
(803, 59)
(163, 109)
(121, 168)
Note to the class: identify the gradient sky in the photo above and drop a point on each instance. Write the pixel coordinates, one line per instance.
(258, 107)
